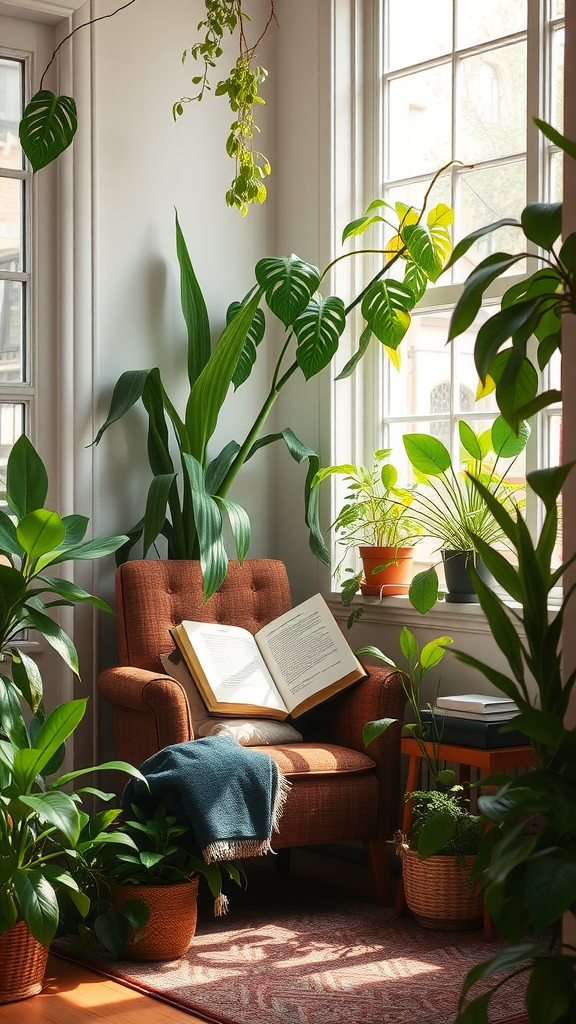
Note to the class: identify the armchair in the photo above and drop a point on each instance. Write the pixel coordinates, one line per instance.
(339, 791)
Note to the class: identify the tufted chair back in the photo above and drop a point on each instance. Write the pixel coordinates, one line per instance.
(153, 597)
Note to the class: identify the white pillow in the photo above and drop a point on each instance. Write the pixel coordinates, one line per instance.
(249, 732)
(252, 732)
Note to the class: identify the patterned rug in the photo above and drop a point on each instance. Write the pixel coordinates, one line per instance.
(292, 953)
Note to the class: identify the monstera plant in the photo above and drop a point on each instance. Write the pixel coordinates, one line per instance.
(186, 503)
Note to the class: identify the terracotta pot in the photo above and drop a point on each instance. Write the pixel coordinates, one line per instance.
(458, 580)
(172, 923)
(439, 894)
(395, 578)
(22, 964)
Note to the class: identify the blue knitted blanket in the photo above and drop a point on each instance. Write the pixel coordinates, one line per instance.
(232, 797)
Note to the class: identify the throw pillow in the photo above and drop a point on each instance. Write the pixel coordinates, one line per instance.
(252, 732)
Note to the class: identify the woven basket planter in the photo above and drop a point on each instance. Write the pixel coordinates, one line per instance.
(22, 964)
(172, 923)
(438, 892)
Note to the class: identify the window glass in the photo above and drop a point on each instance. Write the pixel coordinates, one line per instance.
(433, 39)
(491, 108)
(11, 78)
(420, 134)
(478, 22)
(11, 330)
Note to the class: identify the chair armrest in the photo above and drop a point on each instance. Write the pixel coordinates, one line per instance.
(149, 711)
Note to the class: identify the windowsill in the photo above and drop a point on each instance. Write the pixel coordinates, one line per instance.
(443, 617)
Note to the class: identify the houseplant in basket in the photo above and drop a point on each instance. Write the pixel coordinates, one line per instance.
(438, 855)
(158, 870)
(375, 519)
(39, 821)
(452, 511)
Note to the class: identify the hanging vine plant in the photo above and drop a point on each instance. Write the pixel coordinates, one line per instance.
(241, 87)
(49, 122)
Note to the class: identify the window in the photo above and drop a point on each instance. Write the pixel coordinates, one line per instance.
(457, 87)
(14, 257)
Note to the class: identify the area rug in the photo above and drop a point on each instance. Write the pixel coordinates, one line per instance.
(297, 954)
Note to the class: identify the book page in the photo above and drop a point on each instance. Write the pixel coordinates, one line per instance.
(305, 651)
(233, 665)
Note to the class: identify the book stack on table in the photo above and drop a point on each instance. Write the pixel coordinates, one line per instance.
(475, 720)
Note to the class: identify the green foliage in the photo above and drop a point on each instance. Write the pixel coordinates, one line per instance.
(531, 880)
(47, 127)
(241, 87)
(532, 308)
(41, 825)
(443, 824)
(419, 664)
(32, 539)
(448, 507)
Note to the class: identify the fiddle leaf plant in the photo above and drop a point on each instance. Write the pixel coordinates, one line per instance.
(531, 881)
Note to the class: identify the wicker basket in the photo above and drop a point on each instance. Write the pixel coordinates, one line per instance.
(22, 964)
(438, 892)
(172, 921)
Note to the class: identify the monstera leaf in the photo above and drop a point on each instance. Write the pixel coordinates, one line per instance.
(47, 127)
(289, 283)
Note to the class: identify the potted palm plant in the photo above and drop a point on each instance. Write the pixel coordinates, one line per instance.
(452, 511)
(375, 519)
(39, 820)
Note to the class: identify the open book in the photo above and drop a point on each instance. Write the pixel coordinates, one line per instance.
(295, 662)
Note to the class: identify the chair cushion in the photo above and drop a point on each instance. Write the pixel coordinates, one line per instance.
(317, 759)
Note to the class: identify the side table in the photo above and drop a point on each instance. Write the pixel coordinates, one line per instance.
(490, 762)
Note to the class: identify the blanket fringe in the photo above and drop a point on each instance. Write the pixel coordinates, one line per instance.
(220, 905)
(283, 788)
(236, 849)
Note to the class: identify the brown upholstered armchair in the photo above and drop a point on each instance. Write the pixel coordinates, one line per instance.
(339, 790)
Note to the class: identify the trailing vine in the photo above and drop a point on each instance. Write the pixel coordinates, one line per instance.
(241, 87)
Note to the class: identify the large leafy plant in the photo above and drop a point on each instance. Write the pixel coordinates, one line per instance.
(446, 504)
(41, 824)
(33, 541)
(531, 882)
(532, 308)
(187, 501)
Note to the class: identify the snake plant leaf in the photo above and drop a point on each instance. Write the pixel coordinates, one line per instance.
(318, 330)
(40, 532)
(208, 394)
(501, 627)
(288, 284)
(193, 309)
(239, 524)
(38, 903)
(253, 338)
(158, 443)
(300, 452)
(26, 478)
(155, 513)
(47, 127)
(469, 303)
(385, 307)
(127, 390)
(355, 359)
(427, 454)
(213, 559)
(542, 223)
(217, 469)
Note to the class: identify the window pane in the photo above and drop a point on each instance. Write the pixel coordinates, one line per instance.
(557, 81)
(479, 22)
(11, 330)
(413, 194)
(556, 177)
(11, 191)
(486, 196)
(433, 38)
(466, 376)
(11, 73)
(557, 8)
(422, 385)
(11, 427)
(419, 129)
(492, 104)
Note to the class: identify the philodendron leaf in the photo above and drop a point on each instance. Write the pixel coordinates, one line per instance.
(253, 338)
(423, 592)
(56, 809)
(55, 636)
(38, 903)
(469, 440)
(422, 250)
(436, 832)
(26, 478)
(26, 675)
(505, 442)
(385, 307)
(47, 127)
(288, 284)
(372, 730)
(408, 643)
(433, 652)
(427, 454)
(318, 331)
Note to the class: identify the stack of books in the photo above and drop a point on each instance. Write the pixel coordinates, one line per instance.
(475, 720)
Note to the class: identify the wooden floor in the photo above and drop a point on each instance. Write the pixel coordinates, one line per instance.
(75, 995)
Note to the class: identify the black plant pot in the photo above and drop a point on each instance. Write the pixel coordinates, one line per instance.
(458, 580)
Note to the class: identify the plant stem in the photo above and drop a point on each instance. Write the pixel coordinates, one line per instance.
(77, 29)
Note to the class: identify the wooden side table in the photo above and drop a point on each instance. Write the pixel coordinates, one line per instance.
(490, 762)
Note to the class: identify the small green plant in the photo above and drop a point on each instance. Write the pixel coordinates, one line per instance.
(447, 505)
(443, 825)
(419, 664)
